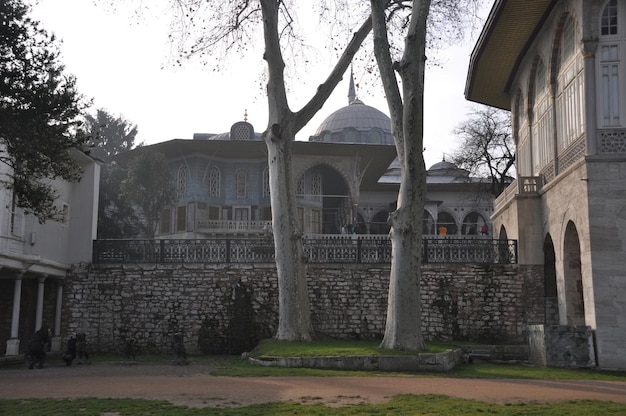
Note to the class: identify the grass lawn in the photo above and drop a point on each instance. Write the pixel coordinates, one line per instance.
(399, 405)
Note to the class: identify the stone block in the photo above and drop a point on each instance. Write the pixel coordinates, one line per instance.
(561, 346)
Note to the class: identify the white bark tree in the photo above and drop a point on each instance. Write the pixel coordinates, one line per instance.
(406, 109)
(228, 26)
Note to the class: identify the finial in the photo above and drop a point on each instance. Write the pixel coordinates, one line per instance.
(351, 90)
(245, 115)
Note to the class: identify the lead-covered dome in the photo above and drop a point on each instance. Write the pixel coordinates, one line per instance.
(355, 123)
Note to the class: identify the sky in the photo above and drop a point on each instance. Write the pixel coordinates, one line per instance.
(122, 64)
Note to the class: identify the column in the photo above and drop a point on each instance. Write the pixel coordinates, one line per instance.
(13, 343)
(589, 61)
(56, 338)
(40, 293)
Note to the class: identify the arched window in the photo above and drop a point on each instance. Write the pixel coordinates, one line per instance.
(266, 182)
(570, 85)
(542, 128)
(316, 186)
(522, 133)
(181, 181)
(215, 179)
(609, 22)
(300, 187)
(241, 184)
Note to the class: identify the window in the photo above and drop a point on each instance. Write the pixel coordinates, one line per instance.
(165, 221)
(181, 182)
(570, 85)
(522, 133)
(241, 184)
(542, 131)
(181, 218)
(241, 213)
(608, 22)
(266, 182)
(316, 221)
(610, 66)
(316, 185)
(609, 80)
(215, 177)
(300, 187)
(301, 218)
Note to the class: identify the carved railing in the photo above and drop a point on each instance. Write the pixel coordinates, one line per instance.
(233, 226)
(318, 249)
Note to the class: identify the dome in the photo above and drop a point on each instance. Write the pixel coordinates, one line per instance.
(355, 123)
(443, 165)
(449, 170)
(356, 115)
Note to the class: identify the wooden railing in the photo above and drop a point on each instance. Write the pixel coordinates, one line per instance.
(318, 249)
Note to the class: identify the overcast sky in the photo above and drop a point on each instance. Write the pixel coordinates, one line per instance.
(122, 64)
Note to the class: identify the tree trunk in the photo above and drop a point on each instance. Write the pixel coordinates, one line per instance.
(404, 318)
(294, 320)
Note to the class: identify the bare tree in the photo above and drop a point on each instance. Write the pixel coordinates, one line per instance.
(416, 19)
(487, 148)
(232, 26)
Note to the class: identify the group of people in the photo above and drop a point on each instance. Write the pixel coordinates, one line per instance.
(76, 348)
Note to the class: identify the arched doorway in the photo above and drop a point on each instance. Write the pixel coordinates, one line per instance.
(572, 275)
(551, 303)
(322, 183)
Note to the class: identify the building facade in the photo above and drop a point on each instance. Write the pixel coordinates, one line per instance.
(35, 258)
(559, 67)
(347, 182)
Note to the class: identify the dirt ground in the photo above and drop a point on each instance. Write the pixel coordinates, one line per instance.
(192, 385)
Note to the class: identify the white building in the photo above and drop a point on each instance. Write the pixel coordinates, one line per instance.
(34, 257)
(559, 66)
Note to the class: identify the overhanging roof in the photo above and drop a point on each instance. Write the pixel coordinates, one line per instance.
(376, 158)
(510, 28)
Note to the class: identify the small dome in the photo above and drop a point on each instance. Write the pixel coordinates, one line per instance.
(443, 165)
(447, 169)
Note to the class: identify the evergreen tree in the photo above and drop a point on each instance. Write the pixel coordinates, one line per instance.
(109, 137)
(40, 112)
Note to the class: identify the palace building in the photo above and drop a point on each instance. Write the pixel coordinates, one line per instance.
(559, 66)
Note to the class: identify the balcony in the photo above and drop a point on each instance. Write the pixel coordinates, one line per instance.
(523, 185)
(370, 249)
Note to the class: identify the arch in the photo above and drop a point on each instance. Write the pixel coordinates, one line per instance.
(551, 303)
(321, 163)
(609, 23)
(379, 224)
(473, 223)
(445, 219)
(502, 234)
(323, 184)
(572, 275)
(566, 71)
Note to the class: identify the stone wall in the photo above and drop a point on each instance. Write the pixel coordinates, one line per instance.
(228, 308)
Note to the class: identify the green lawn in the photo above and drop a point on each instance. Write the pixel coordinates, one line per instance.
(399, 405)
